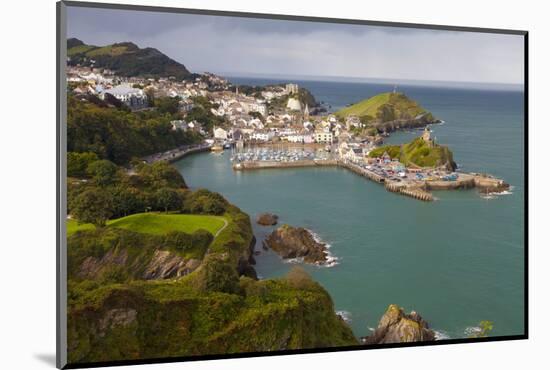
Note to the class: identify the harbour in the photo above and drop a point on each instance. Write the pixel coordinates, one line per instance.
(465, 251)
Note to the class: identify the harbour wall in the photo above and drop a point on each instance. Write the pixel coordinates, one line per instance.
(257, 165)
(419, 189)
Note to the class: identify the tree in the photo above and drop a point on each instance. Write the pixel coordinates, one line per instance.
(77, 163)
(93, 205)
(167, 105)
(161, 174)
(127, 200)
(103, 172)
(168, 199)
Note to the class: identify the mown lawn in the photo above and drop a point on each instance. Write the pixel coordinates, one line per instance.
(157, 223)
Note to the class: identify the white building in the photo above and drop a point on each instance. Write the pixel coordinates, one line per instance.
(132, 97)
(262, 135)
(324, 136)
(220, 133)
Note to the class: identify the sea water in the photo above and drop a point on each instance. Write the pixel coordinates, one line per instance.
(456, 261)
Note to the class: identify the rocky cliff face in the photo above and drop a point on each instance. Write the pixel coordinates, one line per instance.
(173, 318)
(296, 242)
(396, 326)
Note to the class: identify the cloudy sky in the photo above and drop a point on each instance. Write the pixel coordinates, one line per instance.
(244, 46)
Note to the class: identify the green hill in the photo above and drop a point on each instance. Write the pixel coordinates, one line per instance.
(418, 153)
(125, 59)
(382, 109)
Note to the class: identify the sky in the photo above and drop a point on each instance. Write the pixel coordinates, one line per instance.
(253, 47)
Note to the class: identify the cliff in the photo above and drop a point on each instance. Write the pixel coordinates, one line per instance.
(133, 295)
(187, 318)
(126, 59)
(396, 326)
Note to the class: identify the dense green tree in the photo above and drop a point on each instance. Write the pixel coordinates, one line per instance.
(128, 200)
(204, 201)
(160, 174)
(77, 163)
(119, 135)
(103, 172)
(94, 206)
(167, 105)
(168, 199)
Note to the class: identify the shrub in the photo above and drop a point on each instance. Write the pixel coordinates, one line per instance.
(218, 276)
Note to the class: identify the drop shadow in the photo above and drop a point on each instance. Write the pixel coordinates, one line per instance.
(47, 358)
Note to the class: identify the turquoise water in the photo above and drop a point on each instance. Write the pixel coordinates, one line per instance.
(456, 261)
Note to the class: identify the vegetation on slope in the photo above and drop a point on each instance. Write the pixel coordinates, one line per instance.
(385, 111)
(126, 59)
(189, 317)
(119, 135)
(418, 153)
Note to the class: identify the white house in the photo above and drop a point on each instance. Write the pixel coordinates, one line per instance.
(262, 135)
(324, 136)
(132, 97)
(220, 133)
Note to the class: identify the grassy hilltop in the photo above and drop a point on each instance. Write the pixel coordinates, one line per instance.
(126, 59)
(157, 223)
(384, 111)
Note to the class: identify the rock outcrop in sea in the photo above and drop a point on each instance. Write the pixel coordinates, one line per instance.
(297, 242)
(396, 326)
(267, 219)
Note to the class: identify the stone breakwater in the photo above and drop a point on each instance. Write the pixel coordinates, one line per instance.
(257, 165)
(417, 189)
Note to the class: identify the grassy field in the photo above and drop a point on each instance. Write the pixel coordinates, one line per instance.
(366, 107)
(386, 106)
(157, 223)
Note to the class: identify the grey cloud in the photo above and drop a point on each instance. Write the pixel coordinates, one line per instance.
(245, 45)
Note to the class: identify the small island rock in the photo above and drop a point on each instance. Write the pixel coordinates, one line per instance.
(267, 219)
(296, 242)
(396, 326)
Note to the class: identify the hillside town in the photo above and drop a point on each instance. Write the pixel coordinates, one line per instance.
(273, 114)
(273, 126)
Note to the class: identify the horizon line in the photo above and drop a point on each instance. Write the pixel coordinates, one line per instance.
(357, 79)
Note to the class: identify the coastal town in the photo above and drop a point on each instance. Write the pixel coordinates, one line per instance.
(278, 126)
